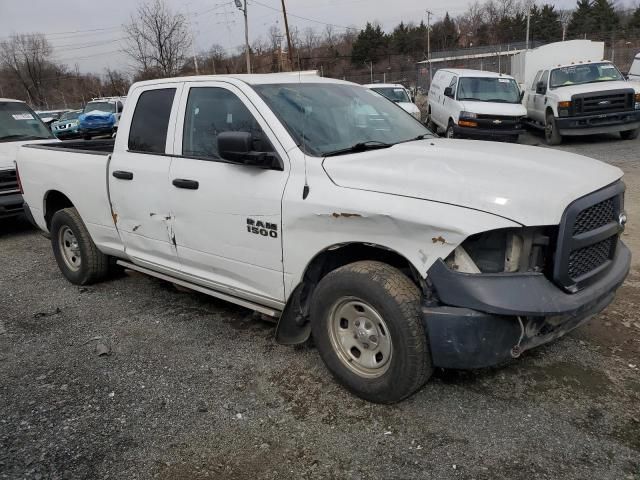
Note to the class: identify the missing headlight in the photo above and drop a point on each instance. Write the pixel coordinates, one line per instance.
(506, 250)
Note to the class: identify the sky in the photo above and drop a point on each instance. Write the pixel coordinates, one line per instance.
(89, 32)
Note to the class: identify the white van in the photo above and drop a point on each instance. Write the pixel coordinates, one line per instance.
(476, 104)
(634, 71)
(398, 94)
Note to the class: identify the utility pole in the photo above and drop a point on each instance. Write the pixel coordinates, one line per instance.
(528, 25)
(243, 8)
(286, 29)
(193, 42)
(429, 13)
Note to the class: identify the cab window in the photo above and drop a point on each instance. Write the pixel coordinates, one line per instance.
(536, 80)
(150, 123)
(210, 111)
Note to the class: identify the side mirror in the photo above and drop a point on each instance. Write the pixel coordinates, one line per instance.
(521, 95)
(541, 88)
(237, 147)
(448, 92)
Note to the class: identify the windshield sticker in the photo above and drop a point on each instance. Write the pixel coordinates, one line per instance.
(607, 67)
(504, 80)
(22, 116)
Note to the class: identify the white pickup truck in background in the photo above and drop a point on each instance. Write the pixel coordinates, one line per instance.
(322, 204)
(571, 91)
(18, 125)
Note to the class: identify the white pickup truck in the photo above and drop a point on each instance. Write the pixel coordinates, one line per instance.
(322, 204)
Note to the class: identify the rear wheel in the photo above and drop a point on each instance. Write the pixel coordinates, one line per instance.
(551, 134)
(630, 134)
(79, 259)
(366, 322)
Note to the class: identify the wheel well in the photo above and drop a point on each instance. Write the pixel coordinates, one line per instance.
(53, 202)
(548, 111)
(293, 326)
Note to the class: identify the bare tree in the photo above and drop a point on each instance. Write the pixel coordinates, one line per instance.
(310, 40)
(27, 57)
(157, 39)
(115, 83)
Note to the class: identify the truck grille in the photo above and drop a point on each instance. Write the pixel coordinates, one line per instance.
(603, 102)
(8, 182)
(498, 122)
(587, 237)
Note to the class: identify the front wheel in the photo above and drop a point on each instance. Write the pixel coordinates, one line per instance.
(79, 259)
(366, 322)
(551, 134)
(630, 134)
(450, 133)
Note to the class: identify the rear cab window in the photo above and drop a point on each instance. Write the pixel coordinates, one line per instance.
(150, 123)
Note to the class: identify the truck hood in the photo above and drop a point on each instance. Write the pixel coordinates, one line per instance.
(564, 93)
(529, 185)
(9, 150)
(487, 108)
(408, 107)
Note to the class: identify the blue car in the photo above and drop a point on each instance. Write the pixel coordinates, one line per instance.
(100, 117)
(67, 126)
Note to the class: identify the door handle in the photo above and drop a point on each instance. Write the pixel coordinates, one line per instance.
(184, 183)
(122, 175)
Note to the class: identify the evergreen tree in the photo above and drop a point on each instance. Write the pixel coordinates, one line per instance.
(634, 22)
(401, 39)
(444, 34)
(605, 16)
(582, 21)
(545, 24)
(370, 45)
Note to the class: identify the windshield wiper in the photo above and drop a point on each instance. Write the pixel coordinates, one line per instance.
(360, 147)
(422, 136)
(472, 99)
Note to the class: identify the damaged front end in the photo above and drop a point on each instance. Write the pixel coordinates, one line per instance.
(496, 295)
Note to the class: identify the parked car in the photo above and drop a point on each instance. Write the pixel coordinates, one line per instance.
(570, 91)
(18, 124)
(50, 116)
(67, 126)
(634, 71)
(475, 104)
(398, 94)
(101, 117)
(399, 251)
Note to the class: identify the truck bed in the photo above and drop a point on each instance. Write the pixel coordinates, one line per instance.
(77, 171)
(96, 147)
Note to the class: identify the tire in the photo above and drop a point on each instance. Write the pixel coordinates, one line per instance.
(551, 134)
(450, 132)
(630, 134)
(430, 124)
(381, 351)
(78, 258)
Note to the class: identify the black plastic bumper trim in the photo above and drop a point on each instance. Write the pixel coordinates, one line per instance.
(8, 205)
(523, 294)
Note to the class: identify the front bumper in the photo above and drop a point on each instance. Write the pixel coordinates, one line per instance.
(10, 205)
(488, 319)
(96, 130)
(67, 133)
(471, 132)
(603, 123)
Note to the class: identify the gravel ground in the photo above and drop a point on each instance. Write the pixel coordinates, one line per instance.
(189, 387)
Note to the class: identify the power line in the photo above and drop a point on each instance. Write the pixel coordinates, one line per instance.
(300, 17)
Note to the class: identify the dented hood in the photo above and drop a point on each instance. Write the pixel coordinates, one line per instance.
(529, 185)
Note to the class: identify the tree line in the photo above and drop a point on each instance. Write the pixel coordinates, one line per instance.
(158, 43)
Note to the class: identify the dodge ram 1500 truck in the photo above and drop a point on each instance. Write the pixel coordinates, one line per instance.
(322, 204)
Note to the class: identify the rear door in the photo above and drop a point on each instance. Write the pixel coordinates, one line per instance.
(539, 99)
(228, 220)
(138, 177)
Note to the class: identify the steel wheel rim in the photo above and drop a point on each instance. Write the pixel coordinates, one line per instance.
(69, 248)
(360, 337)
(449, 132)
(549, 129)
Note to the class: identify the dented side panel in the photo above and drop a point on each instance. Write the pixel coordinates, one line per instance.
(421, 231)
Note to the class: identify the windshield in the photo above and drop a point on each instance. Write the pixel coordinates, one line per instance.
(325, 118)
(586, 73)
(101, 106)
(69, 116)
(395, 94)
(19, 122)
(489, 89)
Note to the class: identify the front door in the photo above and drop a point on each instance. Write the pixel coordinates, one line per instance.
(227, 216)
(138, 178)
